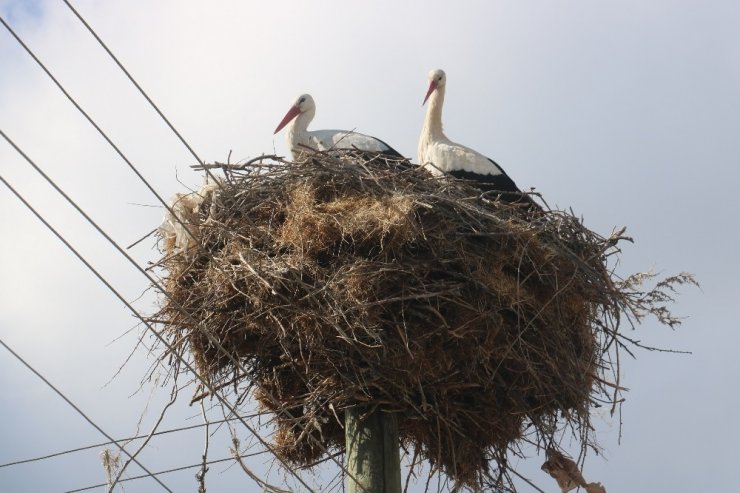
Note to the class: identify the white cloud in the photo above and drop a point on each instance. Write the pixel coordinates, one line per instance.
(627, 112)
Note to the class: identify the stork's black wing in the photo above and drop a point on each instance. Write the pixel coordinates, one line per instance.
(495, 183)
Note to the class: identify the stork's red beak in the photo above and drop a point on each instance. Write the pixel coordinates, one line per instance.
(432, 87)
(292, 113)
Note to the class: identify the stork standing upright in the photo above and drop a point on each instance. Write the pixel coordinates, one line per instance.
(440, 155)
(300, 138)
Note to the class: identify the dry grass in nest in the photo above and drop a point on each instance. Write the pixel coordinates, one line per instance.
(346, 280)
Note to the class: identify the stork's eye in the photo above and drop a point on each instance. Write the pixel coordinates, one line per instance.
(302, 100)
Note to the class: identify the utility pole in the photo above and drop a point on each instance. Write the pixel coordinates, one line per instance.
(371, 440)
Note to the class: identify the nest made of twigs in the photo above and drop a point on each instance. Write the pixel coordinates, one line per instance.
(348, 279)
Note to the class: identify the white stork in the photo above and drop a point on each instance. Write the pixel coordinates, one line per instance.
(440, 155)
(303, 111)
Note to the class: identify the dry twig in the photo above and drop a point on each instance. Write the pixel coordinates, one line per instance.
(346, 279)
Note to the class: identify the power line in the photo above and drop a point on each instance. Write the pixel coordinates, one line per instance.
(72, 404)
(187, 365)
(128, 439)
(95, 125)
(136, 84)
(200, 464)
(107, 237)
(211, 339)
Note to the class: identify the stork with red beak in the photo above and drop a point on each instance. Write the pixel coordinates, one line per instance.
(440, 155)
(300, 138)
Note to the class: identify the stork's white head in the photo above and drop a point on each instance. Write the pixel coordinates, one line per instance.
(437, 79)
(303, 104)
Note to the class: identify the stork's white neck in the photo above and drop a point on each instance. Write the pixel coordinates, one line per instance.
(432, 129)
(298, 130)
(433, 119)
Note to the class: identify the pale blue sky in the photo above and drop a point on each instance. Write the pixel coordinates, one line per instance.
(628, 112)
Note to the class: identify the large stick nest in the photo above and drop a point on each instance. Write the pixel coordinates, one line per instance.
(347, 280)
